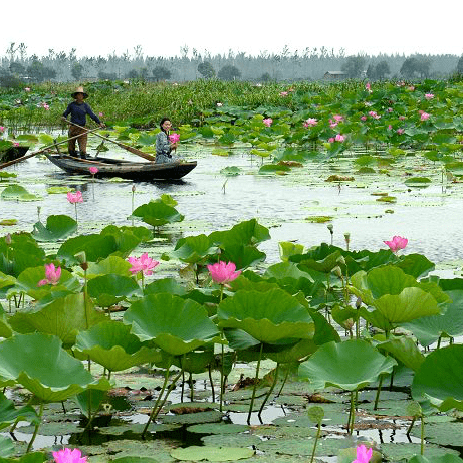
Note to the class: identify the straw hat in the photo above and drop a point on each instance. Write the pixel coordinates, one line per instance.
(79, 90)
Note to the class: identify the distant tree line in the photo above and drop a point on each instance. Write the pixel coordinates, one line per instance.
(16, 67)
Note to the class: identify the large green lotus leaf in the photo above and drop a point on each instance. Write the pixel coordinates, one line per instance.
(165, 285)
(176, 325)
(267, 316)
(112, 288)
(440, 379)
(416, 265)
(322, 258)
(196, 362)
(9, 414)
(111, 345)
(349, 365)
(23, 252)
(58, 227)
(111, 264)
(127, 238)
(157, 213)
(194, 453)
(29, 278)
(6, 280)
(193, 249)
(38, 363)
(391, 280)
(428, 329)
(242, 256)
(405, 350)
(6, 447)
(64, 317)
(248, 232)
(17, 193)
(410, 304)
(96, 247)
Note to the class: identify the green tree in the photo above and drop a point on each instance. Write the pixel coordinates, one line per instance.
(382, 69)
(354, 66)
(460, 65)
(161, 73)
(206, 70)
(77, 70)
(39, 72)
(229, 72)
(17, 69)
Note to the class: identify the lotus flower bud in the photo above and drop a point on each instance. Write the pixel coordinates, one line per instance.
(337, 271)
(8, 239)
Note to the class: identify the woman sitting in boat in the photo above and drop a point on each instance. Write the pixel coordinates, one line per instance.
(78, 110)
(164, 146)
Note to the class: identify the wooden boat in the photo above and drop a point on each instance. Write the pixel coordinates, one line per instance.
(142, 171)
(13, 153)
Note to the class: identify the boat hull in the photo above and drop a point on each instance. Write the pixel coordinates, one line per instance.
(141, 171)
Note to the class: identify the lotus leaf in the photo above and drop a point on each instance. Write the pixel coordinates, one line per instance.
(112, 288)
(287, 248)
(6, 447)
(267, 316)
(244, 233)
(63, 317)
(17, 193)
(23, 252)
(176, 325)
(165, 285)
(322, 258)
(350, 365)
(157, 213)
(111, 264)
(111, 345)
(447, 458)
(9, 414)
(429, 329)
(57, 227)
(404, 349)
(194, 453)
(38, 363)
(440, 377)
(127, 238)
(194, 249)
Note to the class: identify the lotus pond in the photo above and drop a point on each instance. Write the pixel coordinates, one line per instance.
(327, 339)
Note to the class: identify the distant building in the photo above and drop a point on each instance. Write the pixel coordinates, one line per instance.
(334, 75)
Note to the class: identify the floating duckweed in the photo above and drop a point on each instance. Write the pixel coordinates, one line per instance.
(319, 219)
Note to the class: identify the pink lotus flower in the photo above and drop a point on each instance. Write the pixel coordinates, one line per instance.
(93, 170)
(374, 115)
(397, 243)
(332, 123)
(52, 275)
(222, 273)
(69, 456)
(339, 138)
(27, 89)
(390, 110)
(363, 118)
(2, 129)
(429, 96)
(402, 118)
(74, 198)
(100, 115)
(331, 140)
(15, 143)
(283, 93)
(310, 123)
(174, 137)
(425, 116)
(389, 127)
(338, 118)
(368, 86)
(400, 131)
(46, 106)
(363, 454)
(143, 264)
(268, 122)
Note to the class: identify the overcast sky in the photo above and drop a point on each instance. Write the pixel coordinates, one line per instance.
(100, 27)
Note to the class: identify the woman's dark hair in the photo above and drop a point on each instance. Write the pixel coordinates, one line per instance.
(164, 119)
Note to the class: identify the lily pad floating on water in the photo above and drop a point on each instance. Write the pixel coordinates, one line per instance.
(195, 453)
(8, 222)
(18, 193)
(231, 171)
(157, 213)
(418, 181)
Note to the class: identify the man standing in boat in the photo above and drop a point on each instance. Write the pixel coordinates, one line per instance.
(78, 110)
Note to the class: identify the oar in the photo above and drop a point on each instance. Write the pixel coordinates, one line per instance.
(126, 147)
(10, 163)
